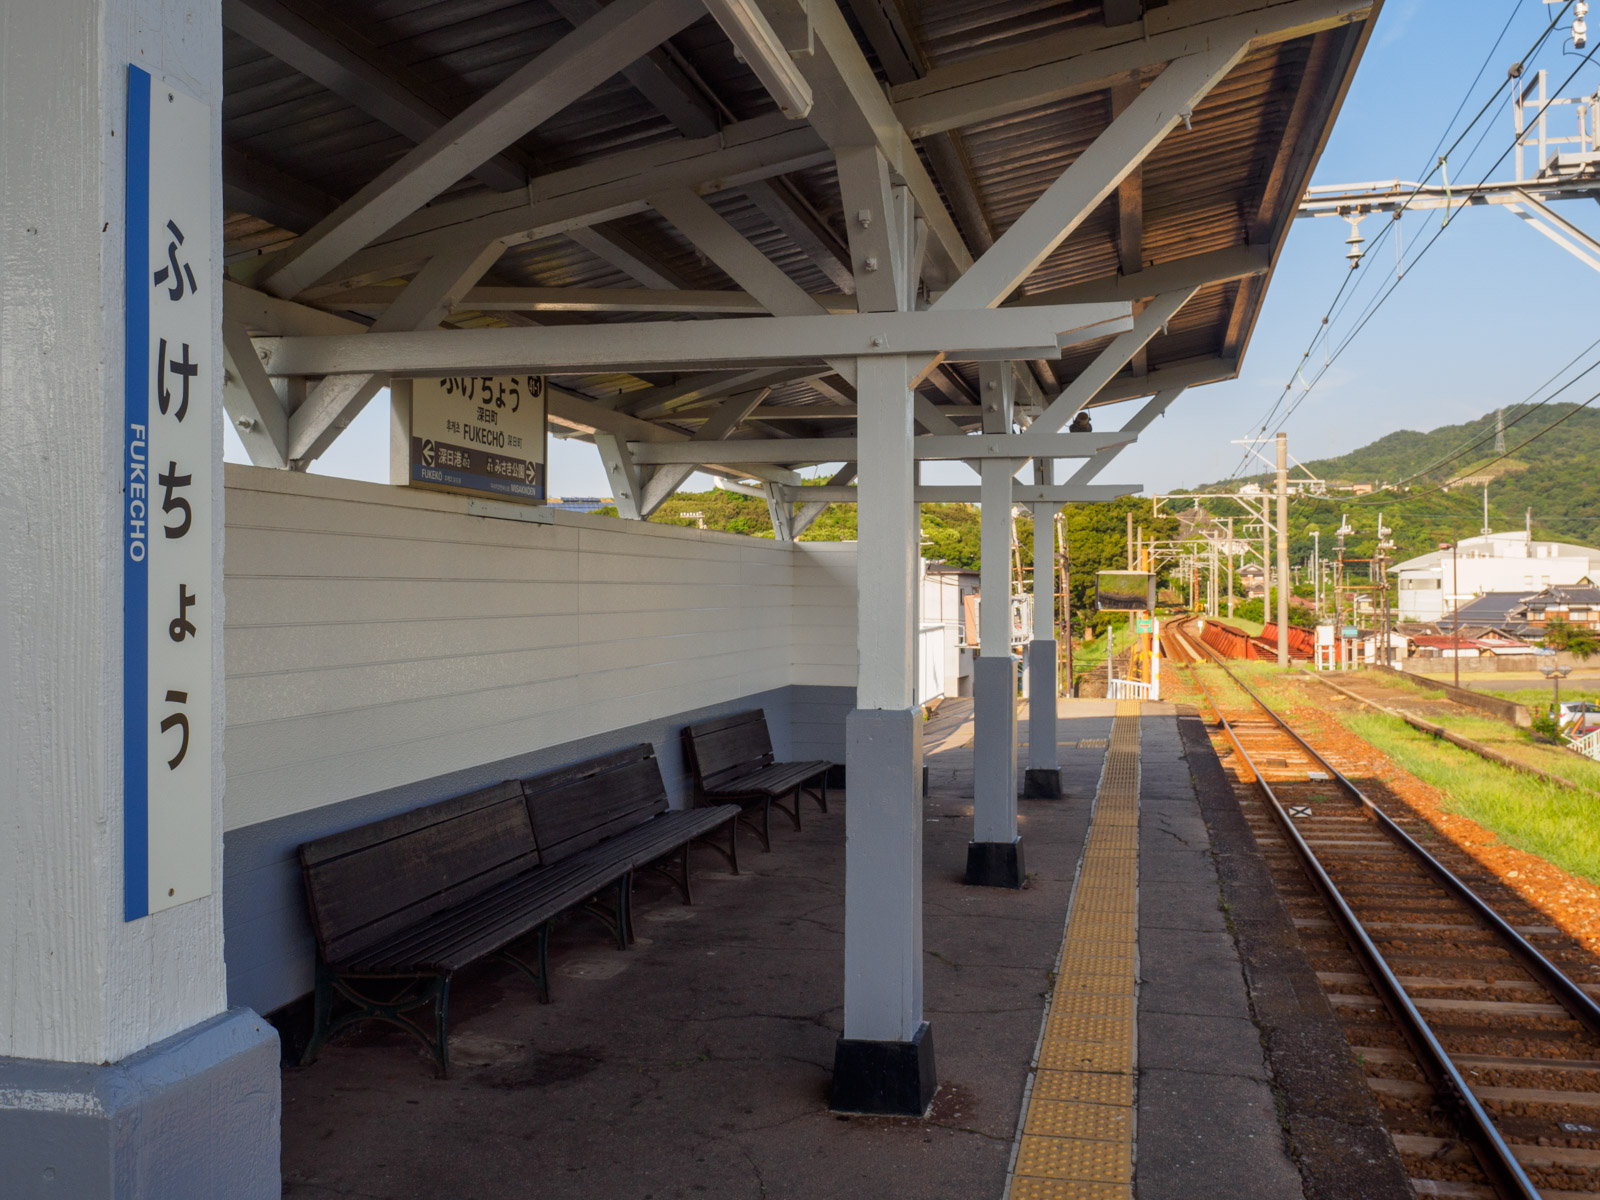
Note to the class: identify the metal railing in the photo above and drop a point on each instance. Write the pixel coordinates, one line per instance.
(1130, 689)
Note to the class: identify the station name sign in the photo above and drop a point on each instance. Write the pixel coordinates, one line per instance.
(483, 434)
(170, 384)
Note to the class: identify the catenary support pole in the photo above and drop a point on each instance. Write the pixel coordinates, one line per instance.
(884, 1062)
(1043, 775)
(1230, 568)
(1283, 550)
(125, 1074)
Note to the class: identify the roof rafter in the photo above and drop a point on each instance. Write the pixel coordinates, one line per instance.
(536, 91)
(1060, 66)
(335, 55)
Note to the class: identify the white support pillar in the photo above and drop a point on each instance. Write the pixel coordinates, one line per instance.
(994, 856)
(884, 1061)
(123, 1072)
(1042, 779)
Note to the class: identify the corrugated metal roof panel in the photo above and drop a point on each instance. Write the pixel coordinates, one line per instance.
(1202, 188)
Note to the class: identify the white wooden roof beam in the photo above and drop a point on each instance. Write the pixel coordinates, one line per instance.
(336, 401)
(350, 68)
(810, 508)
(634, 261)
(592, 421)
(727, 418)
(739, 259)
(1093, 175)
(780, 204)
(655, 77)
(1110, 361)
(1197, 270)
(604, 190)
(1021, 493)
(1153, 408)
(1191, 373)
(257, 411)
(589, 300)
(929, 447)
(684, 345)
(1059, 66)
(851, 109)
(585, 58)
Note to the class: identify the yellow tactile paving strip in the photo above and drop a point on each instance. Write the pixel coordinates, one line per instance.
(1076, 1138)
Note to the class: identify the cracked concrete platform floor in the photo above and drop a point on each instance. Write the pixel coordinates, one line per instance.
(698, 1062)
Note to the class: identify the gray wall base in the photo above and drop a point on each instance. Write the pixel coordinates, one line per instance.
(995, 864)
(1042, 684)
(193, 1117)
(1042, 783)
(895, 1079)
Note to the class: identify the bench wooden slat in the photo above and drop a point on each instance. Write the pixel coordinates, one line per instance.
(368, 883)
(775, 777)
(663, 834)
(490, 921)
(578, 807)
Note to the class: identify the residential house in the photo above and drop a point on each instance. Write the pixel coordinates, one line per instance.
(1433, 584)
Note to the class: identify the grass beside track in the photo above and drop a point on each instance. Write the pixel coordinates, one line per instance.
(1556, 823)
(1540, 698)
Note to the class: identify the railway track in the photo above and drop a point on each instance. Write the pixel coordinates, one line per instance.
(1482, 1052)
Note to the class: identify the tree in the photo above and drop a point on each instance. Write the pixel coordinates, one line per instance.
(1574, 639)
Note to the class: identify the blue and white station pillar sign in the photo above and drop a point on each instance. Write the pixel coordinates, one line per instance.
(169, 611)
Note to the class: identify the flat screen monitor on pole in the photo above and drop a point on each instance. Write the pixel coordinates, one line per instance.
(1125, 591)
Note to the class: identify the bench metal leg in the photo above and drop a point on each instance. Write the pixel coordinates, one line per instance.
(539, 971)
(794, 810)
(615, 914)
(395, 1010)
(731, 854)
(821, 793)
(763, 831)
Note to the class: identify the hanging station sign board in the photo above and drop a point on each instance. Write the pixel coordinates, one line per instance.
(483, 434)
(170, 388)
(1125, 591)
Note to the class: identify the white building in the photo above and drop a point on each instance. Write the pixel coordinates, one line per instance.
(1495, 562)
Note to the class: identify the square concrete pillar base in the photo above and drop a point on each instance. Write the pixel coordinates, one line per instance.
(995, 864)
(886, 1079)
(196, 1115)
(1042, 783)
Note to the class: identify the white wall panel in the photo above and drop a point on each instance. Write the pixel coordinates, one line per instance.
(379, 636)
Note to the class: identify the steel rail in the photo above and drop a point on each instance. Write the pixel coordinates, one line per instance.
(1495, 1158)
(1578, 1003)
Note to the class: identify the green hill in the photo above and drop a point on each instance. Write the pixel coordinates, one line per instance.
(1430, 485)
(1557, 475)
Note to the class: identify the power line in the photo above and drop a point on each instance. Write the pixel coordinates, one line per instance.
(1437, 165)
(1372, 310)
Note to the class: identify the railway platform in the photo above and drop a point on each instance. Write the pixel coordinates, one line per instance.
(1097, 1029)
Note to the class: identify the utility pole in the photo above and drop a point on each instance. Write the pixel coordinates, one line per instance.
(1130, 540)
(1316, 572)
(1230, 568)
(1266, 564)
(1283, 550)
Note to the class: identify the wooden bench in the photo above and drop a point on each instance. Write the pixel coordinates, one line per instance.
(616, 805)
(732, 760)
(400, 905)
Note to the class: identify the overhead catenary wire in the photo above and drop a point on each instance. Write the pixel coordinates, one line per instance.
(1373, 308)
(1329, 314)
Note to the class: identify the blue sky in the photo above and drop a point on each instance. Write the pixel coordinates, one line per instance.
(1488, 313)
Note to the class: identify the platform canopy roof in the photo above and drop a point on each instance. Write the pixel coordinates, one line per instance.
(1096, 190)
